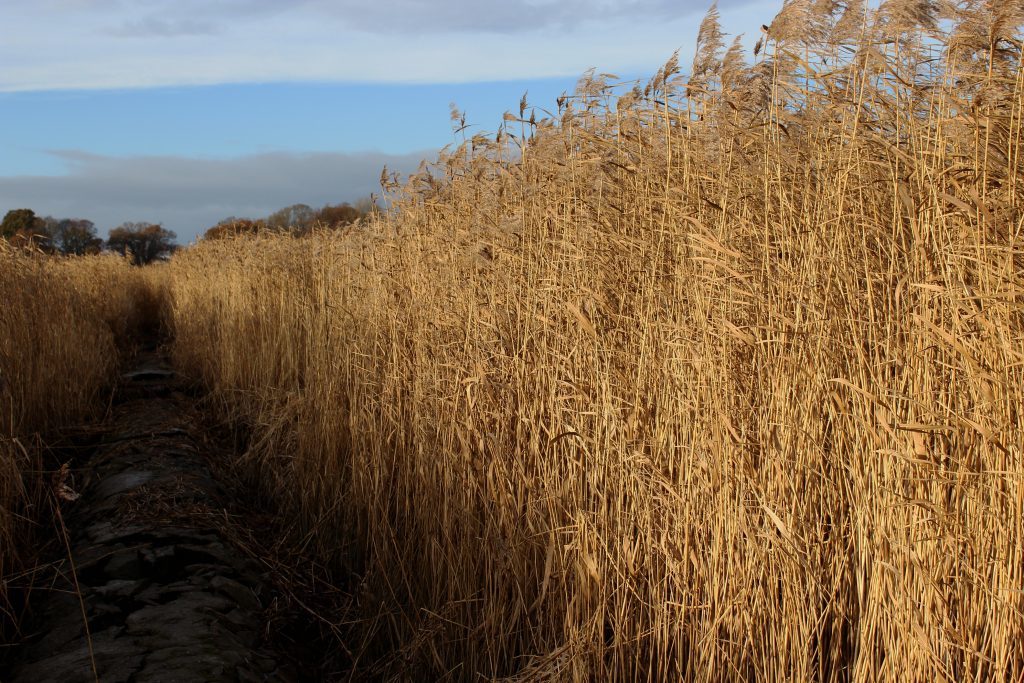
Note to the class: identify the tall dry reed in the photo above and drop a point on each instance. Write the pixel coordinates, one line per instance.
(64, 326)
(717, 379)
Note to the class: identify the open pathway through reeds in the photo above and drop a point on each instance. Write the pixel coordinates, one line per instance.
(148, 585)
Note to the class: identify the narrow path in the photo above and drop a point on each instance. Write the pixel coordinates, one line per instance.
(167, 597)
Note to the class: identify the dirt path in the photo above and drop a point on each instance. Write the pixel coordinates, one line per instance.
(167, 597)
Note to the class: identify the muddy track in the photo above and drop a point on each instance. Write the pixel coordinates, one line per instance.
(166, 596)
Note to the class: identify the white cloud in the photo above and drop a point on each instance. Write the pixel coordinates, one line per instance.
(150, 27)
(69, 44)
(189, 195)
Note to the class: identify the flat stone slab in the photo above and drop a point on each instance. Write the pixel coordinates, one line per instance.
(148, 374)
(122, 482)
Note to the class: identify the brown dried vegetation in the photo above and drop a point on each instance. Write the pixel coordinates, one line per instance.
(64, 326)
(708, 380)
(718, 380)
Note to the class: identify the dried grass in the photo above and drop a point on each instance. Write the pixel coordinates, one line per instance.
(64, 326)
(676, 384)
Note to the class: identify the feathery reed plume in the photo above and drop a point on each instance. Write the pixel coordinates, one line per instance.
(904, 16)
(734, 67)
(792, 23)
(850, 25)
(707, 60)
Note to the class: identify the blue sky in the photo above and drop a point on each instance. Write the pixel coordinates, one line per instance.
(187, 111)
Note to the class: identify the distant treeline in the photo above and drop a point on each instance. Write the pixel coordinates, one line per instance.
(297, 219)
(147, 242)
(143, 242)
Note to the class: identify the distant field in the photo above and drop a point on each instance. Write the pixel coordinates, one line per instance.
(710, 378)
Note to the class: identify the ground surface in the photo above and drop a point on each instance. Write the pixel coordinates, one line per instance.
(167, 597)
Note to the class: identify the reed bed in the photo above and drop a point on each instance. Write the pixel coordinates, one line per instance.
(705, 379)
(65, 323)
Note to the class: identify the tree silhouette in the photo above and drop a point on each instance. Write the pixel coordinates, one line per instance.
(21, 227)
(233, 227)
(144, 242)
(19, 221)
(337, 216)
(74, 236)
(295, 218)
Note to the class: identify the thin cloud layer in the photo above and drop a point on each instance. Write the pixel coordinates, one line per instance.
(419, 16)
(72, 44)
(154, 26)
(190, 195)
(511, 16)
